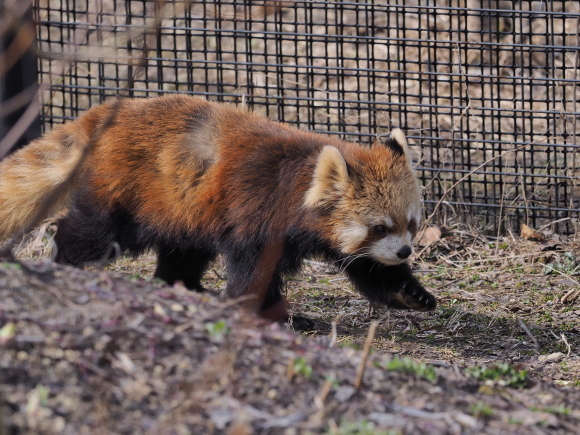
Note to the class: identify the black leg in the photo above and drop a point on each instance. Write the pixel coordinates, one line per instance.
(255, 271)
(260, 274)
(186, 265)
(394, 286)
(92, 233)
(245, 279)
(83, 236)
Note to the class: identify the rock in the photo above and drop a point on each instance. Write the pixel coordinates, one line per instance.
(553, 357)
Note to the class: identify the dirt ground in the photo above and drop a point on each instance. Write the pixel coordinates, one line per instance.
(110, 350)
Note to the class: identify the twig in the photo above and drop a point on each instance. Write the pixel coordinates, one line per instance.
(19, 101)
(23, 123)
(319, 400)
(567, 276)
(567, 344)
(571, 296)
(470, 173)
(529, 333)
(221, 278)
(419, 413)
(365, 354)
(543, 227)
(332, 334)
(22, 41)
(290, 369)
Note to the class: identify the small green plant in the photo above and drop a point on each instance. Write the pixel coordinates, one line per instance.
(546, 317)
(36, 399)
(362, 427)
(218, 329)
(501, 374)
(447, 312)
(410, 366)
(512, 420)
(7, 265)
(351, 344)
(481, 410)
(562, 410)
(566, 264)
(302, 367)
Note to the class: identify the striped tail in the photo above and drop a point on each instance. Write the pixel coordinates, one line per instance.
(37, 181)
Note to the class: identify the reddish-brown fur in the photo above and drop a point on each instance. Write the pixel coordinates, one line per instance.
(192, 178)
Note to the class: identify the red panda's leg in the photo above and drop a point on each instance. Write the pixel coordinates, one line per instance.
(82, 239)
(243, 279)
(260, 275)
(91, 233)
(394, 286)
(185, 265)
(254, 272)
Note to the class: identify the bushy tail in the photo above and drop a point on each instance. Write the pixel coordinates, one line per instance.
(37, 180)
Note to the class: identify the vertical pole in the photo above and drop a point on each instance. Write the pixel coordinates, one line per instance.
(18, 84)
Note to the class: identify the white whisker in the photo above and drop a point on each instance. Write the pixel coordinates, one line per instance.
(349, 259)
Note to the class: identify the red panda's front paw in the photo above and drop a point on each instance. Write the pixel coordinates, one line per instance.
(300, 323)
(278, 312)
(413, 296)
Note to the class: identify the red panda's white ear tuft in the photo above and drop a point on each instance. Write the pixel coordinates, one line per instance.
(398, 136)
(329, 180)
(397, 142)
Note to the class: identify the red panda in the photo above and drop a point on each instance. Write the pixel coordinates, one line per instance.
(191, 179)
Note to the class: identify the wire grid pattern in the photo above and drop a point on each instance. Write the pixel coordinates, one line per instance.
(487, 91)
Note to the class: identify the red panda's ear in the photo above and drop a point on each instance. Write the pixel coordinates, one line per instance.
(397, 143)
(330, 178)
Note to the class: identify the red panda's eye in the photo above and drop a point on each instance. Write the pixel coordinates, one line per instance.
(380, 229)
(412, 226)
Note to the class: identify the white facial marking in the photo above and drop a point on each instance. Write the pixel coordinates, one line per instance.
(351, 237)
(385, 250)
(389, 222)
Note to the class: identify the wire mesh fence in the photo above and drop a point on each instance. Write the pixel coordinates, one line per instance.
(487, 91)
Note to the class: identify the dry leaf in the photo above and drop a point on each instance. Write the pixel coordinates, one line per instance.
(7, 333)
(550, 245)
(530, 234)
(428, 236)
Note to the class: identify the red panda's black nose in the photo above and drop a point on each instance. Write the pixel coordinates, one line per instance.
(404, 252)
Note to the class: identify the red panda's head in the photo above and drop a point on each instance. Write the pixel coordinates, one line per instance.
(371, 197)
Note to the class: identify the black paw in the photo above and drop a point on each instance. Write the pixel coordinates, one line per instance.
(300, 323)
(412, 296)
